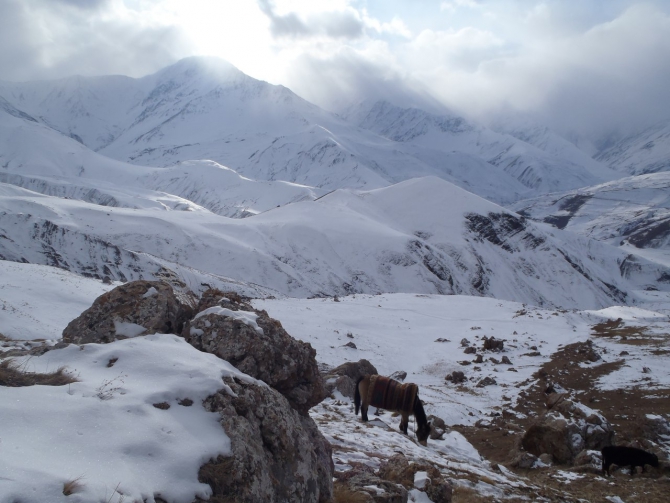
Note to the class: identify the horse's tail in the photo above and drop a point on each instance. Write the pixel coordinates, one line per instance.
(357, 395)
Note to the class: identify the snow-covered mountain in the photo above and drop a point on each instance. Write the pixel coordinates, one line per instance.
(539, 135)
(532, 155)
(633, 211)
(423, 235)
(36, 157)
(645, 152)
(90, 212)
(204, 108)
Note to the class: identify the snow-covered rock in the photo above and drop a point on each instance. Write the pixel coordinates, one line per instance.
(135, 308)
(259, 346)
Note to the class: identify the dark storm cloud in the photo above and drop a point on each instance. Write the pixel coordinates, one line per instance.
(44, 39)
(337, 24)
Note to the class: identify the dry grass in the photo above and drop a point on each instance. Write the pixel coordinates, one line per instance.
(14, 375)
(343, 494)
(73, 486)
(617, 328)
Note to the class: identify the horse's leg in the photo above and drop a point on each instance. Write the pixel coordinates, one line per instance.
(363, 390)
(404, 421)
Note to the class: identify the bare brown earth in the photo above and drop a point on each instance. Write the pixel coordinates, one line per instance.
(497, 439)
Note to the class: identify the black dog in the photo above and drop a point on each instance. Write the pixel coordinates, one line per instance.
(627, 456)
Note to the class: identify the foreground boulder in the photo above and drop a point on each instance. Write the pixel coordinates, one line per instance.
(132, 309)
(278, 455)
(258, 346)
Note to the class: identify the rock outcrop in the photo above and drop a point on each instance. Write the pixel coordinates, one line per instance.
(135, 308)
(398, 469)
(567, 430)
(258, 346)
(278, 455)
(361, 484)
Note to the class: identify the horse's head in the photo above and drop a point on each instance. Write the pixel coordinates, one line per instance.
(422, 433)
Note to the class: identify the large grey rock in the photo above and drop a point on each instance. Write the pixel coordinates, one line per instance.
(344, 377)
(278, 455)
(258, 346)
(134, 308)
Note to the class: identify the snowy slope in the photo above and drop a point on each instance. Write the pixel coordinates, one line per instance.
(645, 152)
(630, 211)
(92, 110)
(423, 235)
(421, 335)
(223, 191)
(32, 302)
(548, 167)
(105, 443)
(542, 137)
(103, 430)
(40, 159)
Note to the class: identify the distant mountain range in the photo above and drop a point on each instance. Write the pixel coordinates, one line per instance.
(152, 177)
(204, 108)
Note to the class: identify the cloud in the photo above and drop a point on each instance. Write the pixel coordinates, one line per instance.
(336, 79)
(596, 75)
(44, 39)
(590, 67)
(345, 23)
(85, 4)
(610, 77)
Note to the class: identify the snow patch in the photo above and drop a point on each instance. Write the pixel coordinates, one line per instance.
(150, 293)
(246, 317)
(128, 329)
(421, 479)
(121, 442)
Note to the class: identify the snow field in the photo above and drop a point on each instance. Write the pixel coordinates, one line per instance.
(104, 430)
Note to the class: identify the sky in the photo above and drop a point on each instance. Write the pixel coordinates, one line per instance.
(584, 67)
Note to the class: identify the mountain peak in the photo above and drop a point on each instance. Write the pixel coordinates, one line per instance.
(209, 67)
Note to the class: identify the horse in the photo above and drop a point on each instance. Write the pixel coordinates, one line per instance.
(624, 456)
(386, 393)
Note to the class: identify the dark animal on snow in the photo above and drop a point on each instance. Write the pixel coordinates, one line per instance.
(386, 393)
(627, 456)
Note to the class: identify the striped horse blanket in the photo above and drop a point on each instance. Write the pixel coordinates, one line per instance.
(389, 394)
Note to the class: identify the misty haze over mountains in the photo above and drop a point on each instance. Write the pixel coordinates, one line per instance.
(132, 177)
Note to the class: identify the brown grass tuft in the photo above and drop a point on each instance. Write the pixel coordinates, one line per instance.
(73, 486)
(14, 375)
(343, 494)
